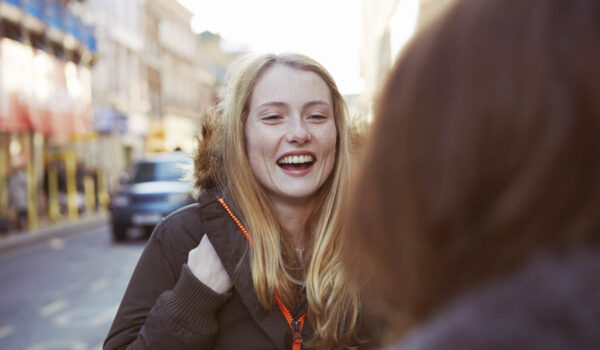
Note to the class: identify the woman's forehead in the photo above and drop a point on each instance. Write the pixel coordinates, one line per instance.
(281, 83)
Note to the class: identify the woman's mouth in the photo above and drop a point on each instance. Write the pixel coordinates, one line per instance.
(296, 162)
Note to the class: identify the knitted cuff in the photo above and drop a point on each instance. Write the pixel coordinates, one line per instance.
(194, 304)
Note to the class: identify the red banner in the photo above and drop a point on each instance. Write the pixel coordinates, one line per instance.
(39, 92)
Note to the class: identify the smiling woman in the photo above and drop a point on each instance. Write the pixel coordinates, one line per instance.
(258, 259)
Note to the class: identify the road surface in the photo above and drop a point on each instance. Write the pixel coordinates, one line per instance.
(63, 294)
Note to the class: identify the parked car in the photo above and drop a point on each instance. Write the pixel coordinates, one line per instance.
(152, 188)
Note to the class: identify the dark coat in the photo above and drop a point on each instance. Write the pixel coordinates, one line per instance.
(552, 304)
(166, 307)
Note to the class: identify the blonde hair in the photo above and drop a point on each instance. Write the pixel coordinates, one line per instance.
(333, 306)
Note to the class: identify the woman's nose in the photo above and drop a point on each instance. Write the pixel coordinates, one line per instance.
(298, 132)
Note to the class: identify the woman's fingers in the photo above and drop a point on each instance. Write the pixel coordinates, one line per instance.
(208, 268)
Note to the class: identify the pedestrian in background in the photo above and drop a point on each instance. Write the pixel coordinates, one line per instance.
(256, 263)
(17, 194)
(477, 211)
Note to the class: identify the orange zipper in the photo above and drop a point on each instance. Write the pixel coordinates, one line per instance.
(246, 234)
(295, 325)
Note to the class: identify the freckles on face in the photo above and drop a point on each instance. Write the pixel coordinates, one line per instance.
(291, 133)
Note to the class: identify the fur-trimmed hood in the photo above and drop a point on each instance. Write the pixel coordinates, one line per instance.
(208, 158)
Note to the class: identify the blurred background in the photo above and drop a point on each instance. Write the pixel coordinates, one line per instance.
(96, 96)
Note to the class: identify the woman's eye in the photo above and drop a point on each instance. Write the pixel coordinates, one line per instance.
(317, 117)
(271, 117)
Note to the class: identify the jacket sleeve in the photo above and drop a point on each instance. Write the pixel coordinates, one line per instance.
(165, 306)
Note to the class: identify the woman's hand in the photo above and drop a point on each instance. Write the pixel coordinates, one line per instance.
(208, 268)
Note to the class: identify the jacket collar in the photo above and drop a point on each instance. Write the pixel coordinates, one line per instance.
(231, 246)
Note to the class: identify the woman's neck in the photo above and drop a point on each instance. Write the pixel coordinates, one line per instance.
(293, 215)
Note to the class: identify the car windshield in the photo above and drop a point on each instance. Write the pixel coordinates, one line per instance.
(158, 171)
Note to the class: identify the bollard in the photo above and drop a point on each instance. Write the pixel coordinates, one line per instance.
(53, 203)
(32, 213)
(89, 193)
(103, 196)
(70, 173)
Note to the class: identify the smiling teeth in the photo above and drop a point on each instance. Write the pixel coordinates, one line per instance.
(296, 159)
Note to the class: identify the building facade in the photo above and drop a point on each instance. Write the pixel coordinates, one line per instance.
(86, 86)
(388, 25)
(121, 103)
(179, 87)
(47, 50)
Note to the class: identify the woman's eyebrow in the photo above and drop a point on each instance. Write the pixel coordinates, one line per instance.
(317, 102)
(272, 103)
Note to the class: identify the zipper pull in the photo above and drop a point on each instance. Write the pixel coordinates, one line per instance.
(296, 329)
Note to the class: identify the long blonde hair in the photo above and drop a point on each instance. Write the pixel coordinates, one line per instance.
(333, 306)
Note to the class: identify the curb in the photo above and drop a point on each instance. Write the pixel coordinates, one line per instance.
(22, 239)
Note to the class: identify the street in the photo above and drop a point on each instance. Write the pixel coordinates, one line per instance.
(63, 293)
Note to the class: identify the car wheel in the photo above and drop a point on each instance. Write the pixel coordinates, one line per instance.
(119, 233)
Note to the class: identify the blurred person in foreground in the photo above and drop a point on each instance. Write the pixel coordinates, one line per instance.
(256, 263)
(477, 212)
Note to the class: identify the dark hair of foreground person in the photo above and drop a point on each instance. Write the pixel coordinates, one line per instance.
(485, 161)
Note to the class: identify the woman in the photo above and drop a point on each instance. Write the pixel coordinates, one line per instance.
(478, 208)
(263, 269)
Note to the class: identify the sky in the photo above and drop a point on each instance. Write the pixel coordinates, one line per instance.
(329, 31)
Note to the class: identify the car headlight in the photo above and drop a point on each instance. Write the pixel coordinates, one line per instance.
(177, 197)
(120, 201)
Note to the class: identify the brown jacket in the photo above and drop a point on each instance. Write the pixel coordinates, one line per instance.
(166, 307)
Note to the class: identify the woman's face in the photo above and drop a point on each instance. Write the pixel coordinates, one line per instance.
(291, 133)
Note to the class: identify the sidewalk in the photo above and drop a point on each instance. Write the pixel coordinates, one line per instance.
(15, 240)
